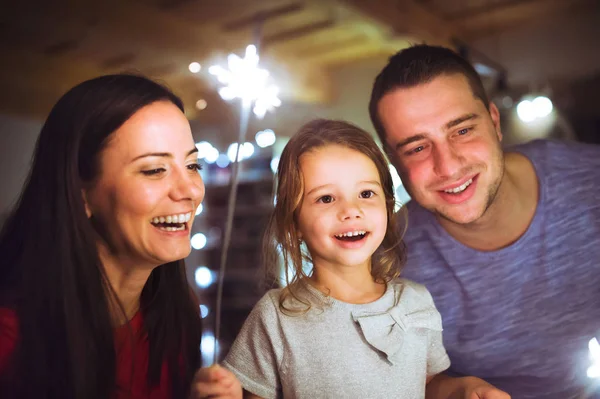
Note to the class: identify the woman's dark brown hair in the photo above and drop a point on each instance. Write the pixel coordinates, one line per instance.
(50, 272)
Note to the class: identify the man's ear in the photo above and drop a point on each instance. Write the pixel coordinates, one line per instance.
(88, 210)
(495, 115)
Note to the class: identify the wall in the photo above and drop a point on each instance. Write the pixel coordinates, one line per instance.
(17, 142)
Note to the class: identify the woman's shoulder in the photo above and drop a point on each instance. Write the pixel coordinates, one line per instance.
(9, 333)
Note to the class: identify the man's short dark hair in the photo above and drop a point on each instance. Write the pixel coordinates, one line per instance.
(417, 65)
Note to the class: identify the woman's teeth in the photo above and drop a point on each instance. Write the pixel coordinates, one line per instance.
(460, 188)
(175, 222)
(181, 218)
(169, 228)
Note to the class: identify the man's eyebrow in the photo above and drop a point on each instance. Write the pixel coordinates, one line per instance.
(162, 154)
(460, 120)
(409, 140)
(449, 125)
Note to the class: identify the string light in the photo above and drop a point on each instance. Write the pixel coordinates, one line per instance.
(594, 370)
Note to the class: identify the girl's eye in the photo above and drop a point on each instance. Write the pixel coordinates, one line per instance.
(195, 166)
(152, 172)
(367, 194)
(326, 199)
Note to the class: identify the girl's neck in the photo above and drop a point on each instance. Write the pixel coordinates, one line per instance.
(355, 286)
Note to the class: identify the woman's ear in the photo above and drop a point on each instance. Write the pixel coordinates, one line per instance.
(88, 210)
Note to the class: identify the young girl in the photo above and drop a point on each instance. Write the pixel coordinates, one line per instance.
(347, 328)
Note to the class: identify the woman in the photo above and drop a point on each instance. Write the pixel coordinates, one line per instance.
(94, 301)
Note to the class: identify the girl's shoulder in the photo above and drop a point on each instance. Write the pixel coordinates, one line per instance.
(295, 300)
(408, 290)
(9, 335)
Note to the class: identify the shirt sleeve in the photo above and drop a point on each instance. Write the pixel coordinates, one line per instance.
(257, 353)
(8, 337)
(437, 358)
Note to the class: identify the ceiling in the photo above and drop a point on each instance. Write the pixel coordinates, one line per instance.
(49, 46)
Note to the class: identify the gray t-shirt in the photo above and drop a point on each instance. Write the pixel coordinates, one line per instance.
(521, 317)
(382, 349)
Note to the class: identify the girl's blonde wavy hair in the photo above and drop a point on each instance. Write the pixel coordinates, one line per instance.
(281, 235)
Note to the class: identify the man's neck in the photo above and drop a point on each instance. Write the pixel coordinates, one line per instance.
(509, 215)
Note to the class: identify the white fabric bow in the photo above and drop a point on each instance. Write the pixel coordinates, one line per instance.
(385, 331)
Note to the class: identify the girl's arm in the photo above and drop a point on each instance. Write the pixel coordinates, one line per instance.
(442, 386)
(215, 382)
(250, 395)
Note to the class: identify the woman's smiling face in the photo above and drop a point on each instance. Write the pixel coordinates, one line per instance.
(144, 199)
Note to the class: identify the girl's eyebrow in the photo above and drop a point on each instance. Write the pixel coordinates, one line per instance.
(317, 188)
(373, 182)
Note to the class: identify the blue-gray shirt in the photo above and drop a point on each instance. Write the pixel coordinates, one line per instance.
(521, 317)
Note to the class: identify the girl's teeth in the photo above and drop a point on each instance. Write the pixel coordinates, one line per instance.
(351, 233)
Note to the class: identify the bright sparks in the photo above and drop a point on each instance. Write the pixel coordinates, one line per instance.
(245, 80)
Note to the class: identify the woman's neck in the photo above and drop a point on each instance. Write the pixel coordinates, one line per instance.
(355, 285)
(127, 283)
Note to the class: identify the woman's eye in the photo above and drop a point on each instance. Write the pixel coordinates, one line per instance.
(367, 194)
(326, 199)
(195, 166)
(152, 172)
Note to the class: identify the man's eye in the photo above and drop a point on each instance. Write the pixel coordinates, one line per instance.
(326, 199)
(367, 194)
(464, 131)
(415, 150)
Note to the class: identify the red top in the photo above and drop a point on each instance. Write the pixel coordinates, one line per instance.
(9, 332)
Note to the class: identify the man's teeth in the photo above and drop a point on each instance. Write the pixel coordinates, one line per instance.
(460, 188)
(352, 234)
(181, 218)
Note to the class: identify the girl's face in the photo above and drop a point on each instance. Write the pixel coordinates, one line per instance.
(144, 200)
(342, 217)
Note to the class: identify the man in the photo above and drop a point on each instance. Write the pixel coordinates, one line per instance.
(507, 243)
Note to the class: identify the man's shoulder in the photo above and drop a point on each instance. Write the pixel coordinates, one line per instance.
(559, 155)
